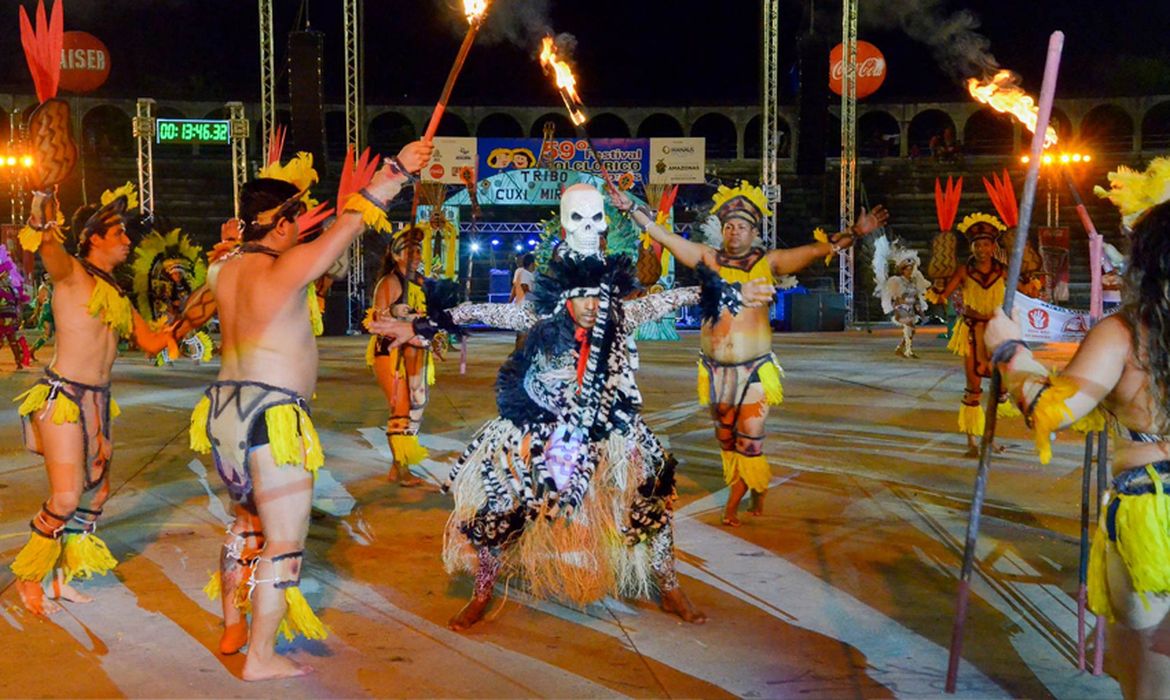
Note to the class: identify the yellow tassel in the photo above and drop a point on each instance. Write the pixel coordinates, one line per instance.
(314, 309)
(197, 433)
(115, 409)
(372, 216)
(1007, 409)
(959, 344)
(407, 450)
(416, 298)
(64, 410)
(214, 588)
(33, 399)
(126, 190)
(370, 351)
(37, 558)
(430, 360)
(1098, 584)
(1093, 422)
(980, 300)
(84, 555)
(292, 437)
(300, 618)
(1049, 413)
(769, 374)
(704, 385)
(820, 236)
(754, 471)
(30, 239)
(971, 419)
(208, 346)
(1143, 539)
(111, 307)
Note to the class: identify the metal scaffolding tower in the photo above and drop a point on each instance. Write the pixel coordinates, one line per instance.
(355, 110)
(770, 123)
(239, 130)
(848, 145)
(267, 74)
(144, 131)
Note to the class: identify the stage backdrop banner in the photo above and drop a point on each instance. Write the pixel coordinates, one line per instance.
(678, 161)
(621, 156)
(453, 155)
(1048, 323)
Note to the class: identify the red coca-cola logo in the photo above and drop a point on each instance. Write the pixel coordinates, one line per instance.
(871, 68)
(1038, 318)
(437, 171)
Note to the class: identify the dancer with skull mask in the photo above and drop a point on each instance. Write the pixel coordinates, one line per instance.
(569, 488)
(739, 377)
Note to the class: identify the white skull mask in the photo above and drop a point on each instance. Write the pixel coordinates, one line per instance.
(583, 218)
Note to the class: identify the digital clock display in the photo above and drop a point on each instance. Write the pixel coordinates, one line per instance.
(190, 131)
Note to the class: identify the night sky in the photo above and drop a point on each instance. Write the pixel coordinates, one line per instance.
(674, 52)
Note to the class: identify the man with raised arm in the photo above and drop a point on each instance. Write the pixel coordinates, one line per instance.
(66, 415)
(739, 377)
(255, 417)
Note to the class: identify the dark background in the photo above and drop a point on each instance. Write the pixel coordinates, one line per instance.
(630, 51)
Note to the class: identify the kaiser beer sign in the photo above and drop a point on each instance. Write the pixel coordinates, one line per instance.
(85, 62)
(871, 68)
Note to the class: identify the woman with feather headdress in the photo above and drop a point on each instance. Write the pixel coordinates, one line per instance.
(903, 294)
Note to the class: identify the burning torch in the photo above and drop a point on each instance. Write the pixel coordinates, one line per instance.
(566, 83)
(475, 11)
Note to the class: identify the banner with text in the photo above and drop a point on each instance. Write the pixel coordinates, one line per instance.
(1049, 323)
(453, 155)
(630, 161)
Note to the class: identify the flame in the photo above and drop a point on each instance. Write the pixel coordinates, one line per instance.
(566, 82)
(474, 10)
(1003, 95)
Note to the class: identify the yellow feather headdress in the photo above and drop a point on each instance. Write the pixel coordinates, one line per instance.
(747, 200)
(126, 191)
(1133, 192)
(981, 218)
(298, 172)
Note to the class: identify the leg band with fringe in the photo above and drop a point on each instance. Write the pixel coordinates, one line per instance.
(299, 619)
(84, 553)
(406, 449)
(40, 554)
(971, 417)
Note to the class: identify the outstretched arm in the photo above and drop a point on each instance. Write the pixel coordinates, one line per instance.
(786, 261)
(686, 252)
(198, 310)
(60, 265)
(306, 262)
(513, 317)
(153, 341)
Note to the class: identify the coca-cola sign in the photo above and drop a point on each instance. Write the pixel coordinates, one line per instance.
(871, 68)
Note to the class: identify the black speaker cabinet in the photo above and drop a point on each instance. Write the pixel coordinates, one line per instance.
(306, 52)
(813, 313)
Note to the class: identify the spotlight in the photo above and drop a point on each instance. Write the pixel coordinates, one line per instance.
(495, 242)
(1065, 158)
(1025, 159)
(11, 160)
(474, 247)
(26, 161)
(532, 241)
(519, 247)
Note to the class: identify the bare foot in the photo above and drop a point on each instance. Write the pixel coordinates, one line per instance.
(756, 504)
(470, 614)
(235, 636)
(731, 521)
(972, 451)
(676, 602)
(999, 449)
(63, 591)
(33, 597)
(274, 667)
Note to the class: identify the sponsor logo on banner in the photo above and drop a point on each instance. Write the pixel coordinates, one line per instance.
(453, 155)
(498, 155)
(1048, 323)
(678, 161)
(85, 62)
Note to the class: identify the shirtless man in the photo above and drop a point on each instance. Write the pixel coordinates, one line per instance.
(66, 414)
(738, 374)
(255, 417)
(1122, 368)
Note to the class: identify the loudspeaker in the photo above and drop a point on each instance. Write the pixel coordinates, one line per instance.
(812, 106)
(812, 313)
(306, 52)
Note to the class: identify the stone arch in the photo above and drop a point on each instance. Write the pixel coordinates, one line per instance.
(924, 126)
(988, 132)
(1108, 127)
(878, 134)
(1156, 127)
(719, 132)
(452, 125)
(607, 126)
(499, 125)
(659, 124)
(1059, 121)
(564, 129)
(106, 131)
(390, 131)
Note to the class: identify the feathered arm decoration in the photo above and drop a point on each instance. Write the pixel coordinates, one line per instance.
(442, 296)
(42, 48)
(881, 266)
(718, 294)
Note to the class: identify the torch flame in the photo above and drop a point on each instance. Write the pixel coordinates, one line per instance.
(566, 82)
(1003, 95)
(474, 10)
